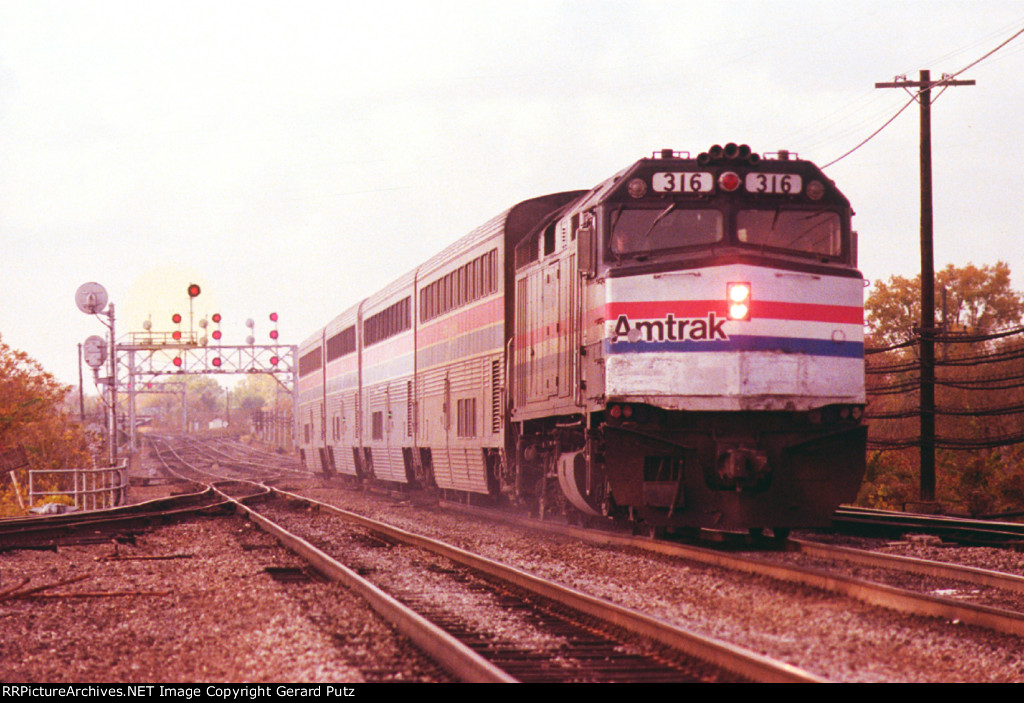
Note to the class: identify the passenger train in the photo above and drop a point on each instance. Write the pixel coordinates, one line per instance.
(680, 346)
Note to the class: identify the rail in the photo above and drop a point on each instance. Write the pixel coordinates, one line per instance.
(92, 489)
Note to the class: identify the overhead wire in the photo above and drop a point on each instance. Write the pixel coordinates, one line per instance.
(944, 83)
(971, 391)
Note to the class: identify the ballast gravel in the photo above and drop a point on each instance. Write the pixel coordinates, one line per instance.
(833, 637)
(191, 602)
(212, 613)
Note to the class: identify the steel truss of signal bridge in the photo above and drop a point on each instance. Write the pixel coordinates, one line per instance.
(149, 357)
(147, 361)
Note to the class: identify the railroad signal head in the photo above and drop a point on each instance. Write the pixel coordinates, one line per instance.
(215, 334)
(193, 290)
(273, 317)
(273, 334)
(216, 361)
(177, 361)
(274, 361)
(215, 317)
(176, 318)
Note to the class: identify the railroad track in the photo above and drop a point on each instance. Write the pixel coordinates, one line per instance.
(570, 636)
(900, 584)
(955, 529)
(102, 525)
(191, 460)
(948, 592)
(880, 581)
(578, 629)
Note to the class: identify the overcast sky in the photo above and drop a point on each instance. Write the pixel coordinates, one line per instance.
(294, 157)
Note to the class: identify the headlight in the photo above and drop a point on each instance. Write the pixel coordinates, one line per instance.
(737, 296)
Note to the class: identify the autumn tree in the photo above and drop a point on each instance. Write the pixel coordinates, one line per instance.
(971, 299)
(32, 417)
(978, 392)
(259, 392)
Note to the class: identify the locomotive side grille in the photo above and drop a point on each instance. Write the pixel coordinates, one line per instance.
(410, 409)
(495, 396)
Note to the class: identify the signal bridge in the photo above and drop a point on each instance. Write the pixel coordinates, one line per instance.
(150, 354)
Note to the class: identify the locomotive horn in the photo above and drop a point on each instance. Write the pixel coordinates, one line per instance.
(731, 151)
(715, 152)
(703, 159)
(744, 152)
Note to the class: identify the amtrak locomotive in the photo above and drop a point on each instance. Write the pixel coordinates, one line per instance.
(681, 345)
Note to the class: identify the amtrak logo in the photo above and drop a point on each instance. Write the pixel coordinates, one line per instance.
(671, 329)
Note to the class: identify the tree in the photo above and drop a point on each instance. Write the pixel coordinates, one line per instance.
(259, 392)
(978, 393)
(32, 417)
(206, 400)
(969, 299)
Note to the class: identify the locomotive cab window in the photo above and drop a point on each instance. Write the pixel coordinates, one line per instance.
(640, 231)
(805, 231)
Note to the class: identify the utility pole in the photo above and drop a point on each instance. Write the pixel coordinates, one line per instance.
(924, 98)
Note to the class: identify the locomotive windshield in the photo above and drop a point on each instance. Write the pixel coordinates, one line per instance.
(726, 202)
(812, 232)
(635, 231)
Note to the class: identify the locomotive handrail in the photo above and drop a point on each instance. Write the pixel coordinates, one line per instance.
(507, 405)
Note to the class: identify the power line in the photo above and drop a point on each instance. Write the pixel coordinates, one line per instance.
(943, 83)
(873, 134)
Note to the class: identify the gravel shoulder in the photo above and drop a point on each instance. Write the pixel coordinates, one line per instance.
(210, 614)
(217, 616)
(834, 637)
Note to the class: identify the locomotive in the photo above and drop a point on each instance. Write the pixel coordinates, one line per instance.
(679, 346)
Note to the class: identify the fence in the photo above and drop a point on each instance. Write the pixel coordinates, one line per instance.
(92, 489)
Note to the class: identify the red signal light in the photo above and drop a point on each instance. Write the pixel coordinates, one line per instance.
(216, 361)
(193, 290)
(274, 361)
(176, 318)
(177, 361)
(216, 320)
(176, 334)
(273, 317)
(273, 334)
(729, 181)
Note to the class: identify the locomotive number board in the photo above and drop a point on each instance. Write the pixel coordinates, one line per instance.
(683, 182)
(704, 182)
(781, 183)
